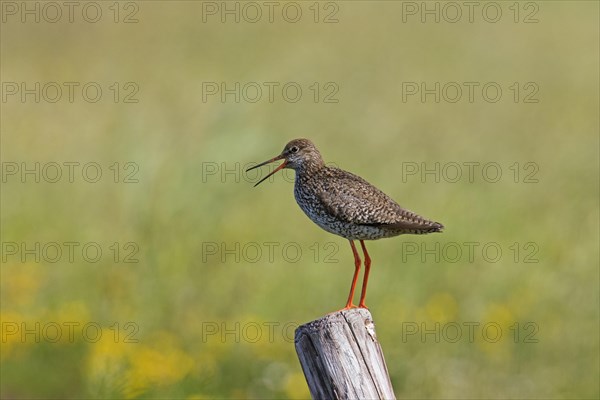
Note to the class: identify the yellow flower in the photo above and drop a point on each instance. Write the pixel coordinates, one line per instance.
(161, 363)
(296, 386)
(496, 335)
(21, 283)
(11, 333)
(106, 365)
(442, 308)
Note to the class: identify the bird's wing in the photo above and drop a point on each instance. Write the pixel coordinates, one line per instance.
(352, 199)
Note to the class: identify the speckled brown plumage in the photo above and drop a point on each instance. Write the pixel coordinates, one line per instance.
(345, 204)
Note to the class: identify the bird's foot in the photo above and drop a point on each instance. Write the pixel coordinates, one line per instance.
(362, 305)
(348, 307)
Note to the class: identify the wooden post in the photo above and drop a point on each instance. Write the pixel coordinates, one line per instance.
(341, 357)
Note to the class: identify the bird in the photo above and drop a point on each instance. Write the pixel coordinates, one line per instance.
(346, 205)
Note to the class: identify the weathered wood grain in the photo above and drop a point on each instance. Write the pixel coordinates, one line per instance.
(341, 357)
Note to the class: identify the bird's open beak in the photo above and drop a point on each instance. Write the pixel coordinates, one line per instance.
(279, 157)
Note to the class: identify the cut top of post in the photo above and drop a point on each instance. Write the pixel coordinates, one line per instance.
(341, 357)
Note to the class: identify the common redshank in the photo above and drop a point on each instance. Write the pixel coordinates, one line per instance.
(346, 205)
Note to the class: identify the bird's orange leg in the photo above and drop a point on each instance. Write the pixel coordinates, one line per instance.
(363, 294)
(355, 278)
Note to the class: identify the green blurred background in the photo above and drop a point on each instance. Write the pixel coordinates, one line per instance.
(189, 321)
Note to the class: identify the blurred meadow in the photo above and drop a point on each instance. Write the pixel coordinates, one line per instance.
(170, 276)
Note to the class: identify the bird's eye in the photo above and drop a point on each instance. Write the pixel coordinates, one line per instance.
(294, 149)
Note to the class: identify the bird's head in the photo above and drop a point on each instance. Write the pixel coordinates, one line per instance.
(298, 154)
